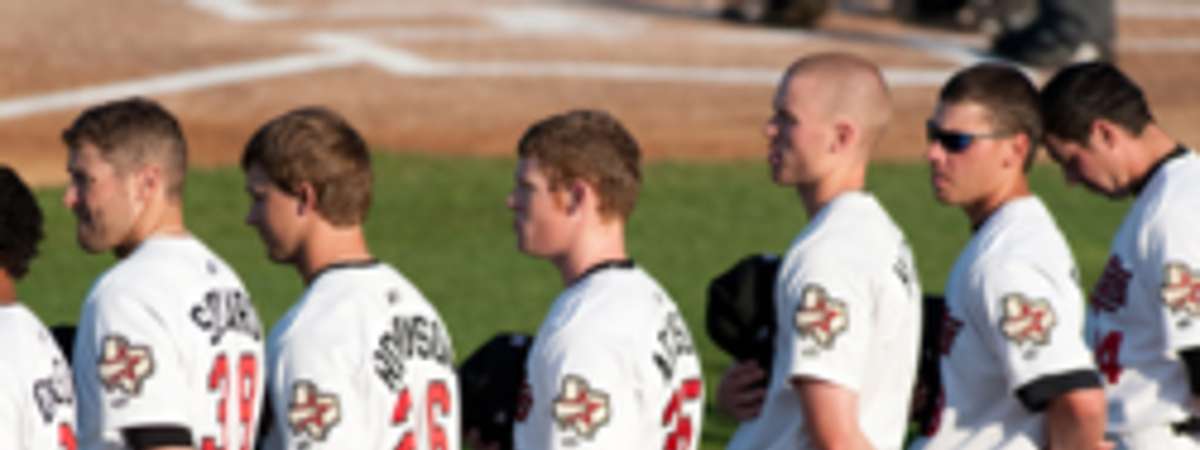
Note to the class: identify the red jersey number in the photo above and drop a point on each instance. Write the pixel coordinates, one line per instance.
(1108, 356)
(675, 420)
(437, 404)
(244, 378)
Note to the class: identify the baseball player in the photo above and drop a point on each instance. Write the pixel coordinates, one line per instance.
(843, 317)
(613, 365)
(169, 350)
(1015, 370)
(362, 360)
(1145, 306)
(37, 400)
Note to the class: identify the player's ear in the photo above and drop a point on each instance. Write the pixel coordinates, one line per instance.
(306, 198)
(844, 134)
(577, 195)
(147, 181)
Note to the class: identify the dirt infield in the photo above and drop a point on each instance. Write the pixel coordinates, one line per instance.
(467, 76)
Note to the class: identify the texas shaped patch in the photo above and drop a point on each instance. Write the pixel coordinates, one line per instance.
(1027, 321)
(124, 367)
(580, 408)
(313, 412)
(821, 317)
(1181, 290)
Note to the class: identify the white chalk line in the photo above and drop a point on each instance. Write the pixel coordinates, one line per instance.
(173, 83)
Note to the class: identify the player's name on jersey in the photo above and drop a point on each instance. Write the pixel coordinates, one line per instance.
(408, 338)
(225, 310)
(54, 391)
(673, 341)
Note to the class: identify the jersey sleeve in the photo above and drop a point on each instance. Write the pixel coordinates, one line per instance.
(316, 401)
(1033, 320)
(828, 310)
(590, 395)
(136, 365)
(1174, 265)
(10, 410)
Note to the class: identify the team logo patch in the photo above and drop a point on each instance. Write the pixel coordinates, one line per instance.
(312, 412)
(580, 408)
(821, 317)
(1181, 290)
(124, 367)
(1027, 321)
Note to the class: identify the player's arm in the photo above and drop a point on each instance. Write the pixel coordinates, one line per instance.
(1174, 269)
(831, 413)
(10, 411)
(314, 404)
(592, 403)
(1035, 318)
(1076, 420)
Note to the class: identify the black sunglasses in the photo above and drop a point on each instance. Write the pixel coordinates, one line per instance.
(953, 141)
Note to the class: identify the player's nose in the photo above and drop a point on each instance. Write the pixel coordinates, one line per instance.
(70, 197)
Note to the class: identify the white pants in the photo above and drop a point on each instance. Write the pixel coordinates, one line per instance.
(1155, 438)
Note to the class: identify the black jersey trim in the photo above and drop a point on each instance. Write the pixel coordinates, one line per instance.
(1037, 394)
(605, 265)
(1179, 151)
(147, 437)
(351, 264)
(1191, 362)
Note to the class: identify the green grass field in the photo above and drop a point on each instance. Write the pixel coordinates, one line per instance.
(442, 221)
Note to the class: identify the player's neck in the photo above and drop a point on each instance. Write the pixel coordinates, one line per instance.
(604, 242)
(979, 211)
(1154, 145)
(329, 245)
(159, 219)
(817, 195)
(8, 289)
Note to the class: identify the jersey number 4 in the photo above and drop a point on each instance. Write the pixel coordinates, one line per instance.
(221, 377)
(437, 399)
(1108, 356)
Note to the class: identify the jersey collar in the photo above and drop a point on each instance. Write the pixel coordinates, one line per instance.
(1179, 151)
(604, 265)
(351, 264)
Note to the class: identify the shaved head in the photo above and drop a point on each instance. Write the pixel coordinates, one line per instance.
(841, 86)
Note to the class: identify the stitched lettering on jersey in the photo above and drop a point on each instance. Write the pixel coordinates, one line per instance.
(409, 338)
(1027, 322)
(579, 408)
(1181, 292)
(124, 367)
(524, 401)
(820, 317)
(54, 391)
(673, 341)
(226, 310)
(312, 412)
(1110, 291)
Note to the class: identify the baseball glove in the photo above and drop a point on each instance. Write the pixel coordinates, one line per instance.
(741, 309)
(489, 382)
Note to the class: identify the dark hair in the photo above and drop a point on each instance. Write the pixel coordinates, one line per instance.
(588, 145)
(318, 146)
(131, 132)
(1007, 93)
(1080, 94)
(20, 224)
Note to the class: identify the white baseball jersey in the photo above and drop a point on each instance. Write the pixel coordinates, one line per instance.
(168, 337)
(612, 366)
(1146, 305)
(362, 361)
(37, 400)
(1012, 333)
(848, 305)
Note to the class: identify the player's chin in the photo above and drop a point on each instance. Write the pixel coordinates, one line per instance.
(92, 241)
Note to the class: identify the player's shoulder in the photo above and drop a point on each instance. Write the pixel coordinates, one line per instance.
(19, 328)
(1174, 193)
(614, 302)
(348, 298)
(1023, 229)
(854, 220)
(171, 264)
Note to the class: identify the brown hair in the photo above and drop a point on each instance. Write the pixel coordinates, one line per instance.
(592, 146)
(1083, 93)
(1007, 93)
(20, 224)
(129, 134)
(318, 146)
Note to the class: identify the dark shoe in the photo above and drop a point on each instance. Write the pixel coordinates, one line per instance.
(1039, 45)
(733, 14)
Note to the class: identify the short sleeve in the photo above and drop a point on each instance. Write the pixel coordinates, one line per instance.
(1033, 321)
(10, 409)
(590, 395)
(1174, 273)
(136, 365)
(828, 319)
(316, 402)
